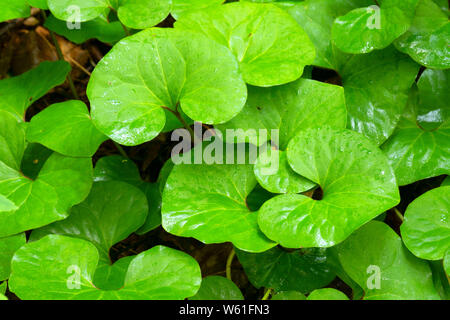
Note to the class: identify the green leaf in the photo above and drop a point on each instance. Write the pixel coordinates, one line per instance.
(274, 174)
(41, 4)
(118, 168)
(156, 274)
(427, 39)
(14, 9)
(61, 183)
(446, 182)
(376, 259)
(33, 160)
(366, 29)
(300, 270)
(271, 48)
(66, 128)
(289, 295)
(357, 182)
(317, 18)
(376, 87)
(218, 288)
(213, 212)
(79, 10)
(181, 7)
(420, 146)
(299, 105)
(327, 294)
(142, 14)
(8, 246)
(98, 28)
(163, 68)
(433, 97)
(12, 140)
(446, 263)
(112, 211)
(18, 93)
(2, 289)
(426, 228)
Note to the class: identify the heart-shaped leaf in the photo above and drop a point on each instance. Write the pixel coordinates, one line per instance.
(426, 228)
(376, 259)
(8, 246)
(317, 18)
(118, 168)
(218, 288)
(66, 128)
(271, 48)
(163, 68)
(357, 182)
(12, 140)
(289, 108)
(376, 87)
(427, 39)
(111, 212)
(18, 93)
(366, 29)
(158, 273)
(61, 183)
(420, 146)
(14, 9)
(98, 28)
(300, 270)
(213, 213)
(327, 294)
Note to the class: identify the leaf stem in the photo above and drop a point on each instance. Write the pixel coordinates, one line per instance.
(267, 294)
(229, 262)
(122, 152)
(180, 118)
(127, 32)
(61, 57)
(399, 214)
(376, 2)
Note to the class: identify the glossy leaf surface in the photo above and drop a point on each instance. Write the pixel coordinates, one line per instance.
(420, 146)
(218, 288)
(8, 246)
(159, 68)
(158, 273)
(213, 213)
(18, 93)
(365, 29)
(60, 183)
(357, 185)
(301, 270)
(427, 40)
(271, 48)
(426, 228)
(66, 128)
(376, 259)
